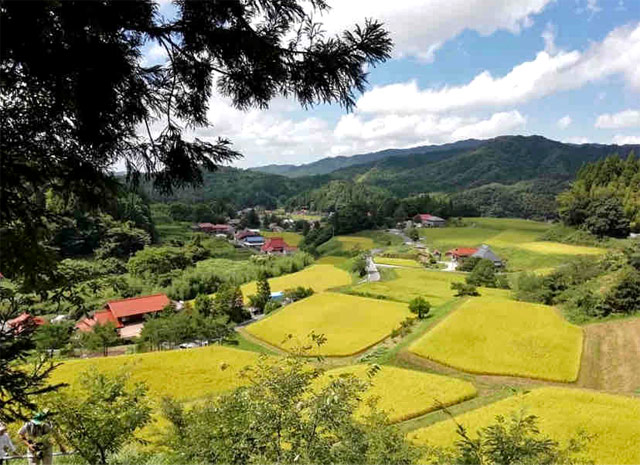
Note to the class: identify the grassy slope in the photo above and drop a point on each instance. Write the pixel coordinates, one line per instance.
(351, 324)
(613, 420)
(499, 336)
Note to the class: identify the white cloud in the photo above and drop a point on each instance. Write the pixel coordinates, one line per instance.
(623, 119)
(618, 53)
(620, 139)
(420, 27)
(564, 122)
(549, 37)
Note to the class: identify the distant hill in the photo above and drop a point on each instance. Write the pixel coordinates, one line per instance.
(330, 164)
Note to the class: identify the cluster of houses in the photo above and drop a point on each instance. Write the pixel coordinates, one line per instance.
(249, 238)
(484, 251)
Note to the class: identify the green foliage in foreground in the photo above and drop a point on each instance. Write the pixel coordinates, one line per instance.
(282, 416)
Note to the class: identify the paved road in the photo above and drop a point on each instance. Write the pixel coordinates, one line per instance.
(373, 275)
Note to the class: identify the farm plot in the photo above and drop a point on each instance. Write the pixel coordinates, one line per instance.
(435, 286)
(504, 337)
(406, 394)
(318, 277)
(402, 262)
(350, 324)
(289, 237)
(561, 249)
(613, 421)
(183, 374)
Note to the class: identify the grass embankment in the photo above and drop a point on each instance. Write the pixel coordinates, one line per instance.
(406, 394)
(405, 284)
(318, 277)
(504, 337)
(351, 324)
(183, 374)
(613, 421)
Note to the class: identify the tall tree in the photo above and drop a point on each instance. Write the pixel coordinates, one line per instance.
(76, 90)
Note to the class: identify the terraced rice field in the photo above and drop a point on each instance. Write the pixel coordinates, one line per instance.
(404, 262)
(504, 337)
(406, 394)
(435, 286)
(561, 249)
(353, 242)
(318, 277)
(350, 324)
(289, 237)
(183, 374)
(614, 421)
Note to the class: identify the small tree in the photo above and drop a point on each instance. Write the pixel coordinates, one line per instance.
(230, 303)
(102, 337)
(359, 265)
(203, 305)
(53, 336)
(264, 292)
(101, 416)
(420, 307)
(483, 274)
(413, 234)
(509, 441)
(463, 289)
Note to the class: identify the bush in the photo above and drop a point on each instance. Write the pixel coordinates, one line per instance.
(420, 307)
(298, 293)
(468, 264)
(271, 306)
(483, 274)
(464, 289)
(625, 296)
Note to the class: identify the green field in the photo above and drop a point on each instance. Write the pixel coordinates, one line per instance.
(613, 421)
(318, 277)
(403, 262)
(514, 240)
(351, 324)
(503, 337)
(289, 237)
(406, 394)
(176, 231)
(184, 374)
(406, 284)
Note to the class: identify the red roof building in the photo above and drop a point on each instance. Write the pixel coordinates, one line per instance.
(461, 252)
(246, 233)
(277, 245)
(21, 322)
(125, 311)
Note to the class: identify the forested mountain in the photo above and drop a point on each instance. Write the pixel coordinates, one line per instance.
(331, 164)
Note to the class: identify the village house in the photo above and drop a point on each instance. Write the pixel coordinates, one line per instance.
(126, 314)
(211, 228)
(429, 221)
(277, 245)
(460, 252)
(485, 252)
(249, 238)
(23, 321)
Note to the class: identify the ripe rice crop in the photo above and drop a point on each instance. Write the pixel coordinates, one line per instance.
(613, 421)
(350, 324)
(406, 394)
(435, 286)
(353, 242)
(561, 249)
(183, 374)
(318, 277)
(504, 337)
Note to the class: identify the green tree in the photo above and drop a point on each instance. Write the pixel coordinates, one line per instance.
(359, 265)
(420, 307)
(101, 337)
(624, 297)
(122, 242)
(283, 416)
(464, 289)
(203, 305)
(53, 336)
(229, 302)
(513, 440)
(152, 262)
(102, 415)
(263, 294)
(413, 234)
(605, 217)
(483, 274)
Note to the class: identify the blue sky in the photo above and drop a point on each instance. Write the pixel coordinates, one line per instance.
(566, 69)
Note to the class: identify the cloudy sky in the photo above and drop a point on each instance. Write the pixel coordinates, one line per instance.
(565, 69)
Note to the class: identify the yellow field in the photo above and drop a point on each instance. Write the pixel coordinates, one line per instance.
(435, 286)
(505, 337)
(561, 412)
(289, 237)
(352, 242)
(318, 277)
(561, 249)
(183, 374)
(406, 394)
(331, 260)
(407, 263)
(306, 217)
(351, 324)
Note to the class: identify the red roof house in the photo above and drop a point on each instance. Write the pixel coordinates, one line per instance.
(277, 245)
(21, 322)
(125, 311)
(426, 219)
(214, 228)
(461, 252)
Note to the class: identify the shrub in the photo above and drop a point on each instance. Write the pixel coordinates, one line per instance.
(271, 306)
(298, 293)
(463, 289)
(625, 296)
(483, 274)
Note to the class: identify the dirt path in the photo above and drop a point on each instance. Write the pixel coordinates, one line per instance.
(611, 356)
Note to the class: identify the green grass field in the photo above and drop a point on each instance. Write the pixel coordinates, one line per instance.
(331, 260)
(351, 324)
(614, 421)
(503, 337)
(178, 230)
(406, 394)
(514, 240)
(318, 277)
(404, 262)
(406, 284)
(289, 237)
(184, 374)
